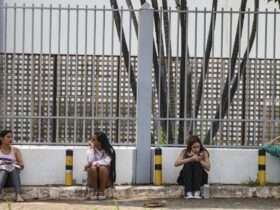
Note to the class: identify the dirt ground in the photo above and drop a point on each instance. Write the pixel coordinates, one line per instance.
(210, 204)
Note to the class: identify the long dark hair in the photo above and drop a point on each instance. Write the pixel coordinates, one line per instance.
(107, 147)
(3, 134)
(192, 140)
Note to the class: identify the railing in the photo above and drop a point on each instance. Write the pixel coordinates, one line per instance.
(66, 72)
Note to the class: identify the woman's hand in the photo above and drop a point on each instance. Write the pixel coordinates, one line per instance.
(196, 158)
(87, 166)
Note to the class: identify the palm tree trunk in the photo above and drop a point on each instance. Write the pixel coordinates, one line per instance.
(206, 57)
(185, 93)
(215, 125)
(125, 51)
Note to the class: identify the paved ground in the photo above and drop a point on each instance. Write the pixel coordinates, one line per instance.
(211, 204)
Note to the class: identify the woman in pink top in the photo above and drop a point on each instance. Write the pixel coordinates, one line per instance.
(101, 164)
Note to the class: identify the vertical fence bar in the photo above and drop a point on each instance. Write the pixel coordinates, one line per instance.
(5, 64)
(212, 79)
(256, 82)
(103, 66)
(85, 74)
(229, 141)
(93, 71)
(22, 71)
(274, 76)
(247, 87)
(32, 73)
(169, 54)
(160, 60)
(40, 98)
(222, 81)
(188, 72)
(238, 111)
(175, 76)
(119, 78)
(144, 95)
(196, 70)
(266, 103)
(129, 74)
(76, 74)
(203, 75)
(67, 74)
(49, 71)
(58, 74)
(112, 75)
(13, 65)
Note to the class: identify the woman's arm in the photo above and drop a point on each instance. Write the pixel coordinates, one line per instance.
(275, 140)
(19, 158)
(205, 161)
(105, 161)
(181, 160)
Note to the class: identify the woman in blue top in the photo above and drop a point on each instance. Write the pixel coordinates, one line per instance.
(10, 164)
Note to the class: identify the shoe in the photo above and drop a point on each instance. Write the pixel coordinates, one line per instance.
(91, 195)
(197, 195)
(19, 198)
(101, 196)
(188, 195)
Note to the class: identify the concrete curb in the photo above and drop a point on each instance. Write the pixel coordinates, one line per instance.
(142, 192)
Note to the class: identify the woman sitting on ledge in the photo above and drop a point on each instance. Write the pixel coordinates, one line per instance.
(10, 164)
(101, 167)
(194, 173)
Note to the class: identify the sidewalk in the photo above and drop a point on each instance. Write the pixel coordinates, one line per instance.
(171, 204)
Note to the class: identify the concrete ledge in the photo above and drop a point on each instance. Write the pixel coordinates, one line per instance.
(237, 191)
(140, 192)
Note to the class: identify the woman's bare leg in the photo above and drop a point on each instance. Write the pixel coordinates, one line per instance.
(92, 177)
(103, 178)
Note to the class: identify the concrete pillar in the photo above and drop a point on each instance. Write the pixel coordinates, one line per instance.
(144, 96)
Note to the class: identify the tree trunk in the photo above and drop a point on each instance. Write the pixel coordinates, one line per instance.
(185, 92)
(125, 51)
(206, 57)
(215, 125)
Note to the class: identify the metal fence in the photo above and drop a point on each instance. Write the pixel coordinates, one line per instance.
(66, 72)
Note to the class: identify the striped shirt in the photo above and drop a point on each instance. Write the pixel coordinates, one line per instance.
(7, 161)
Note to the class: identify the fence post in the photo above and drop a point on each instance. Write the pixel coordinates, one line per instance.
(144, 96)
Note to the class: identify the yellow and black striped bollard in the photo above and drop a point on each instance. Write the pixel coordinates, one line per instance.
(262, 163)
(69, 168)
(158, 166)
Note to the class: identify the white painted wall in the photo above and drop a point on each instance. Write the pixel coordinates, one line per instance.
(228, 166)
(45, 165)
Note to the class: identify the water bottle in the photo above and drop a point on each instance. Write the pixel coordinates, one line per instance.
(205, 191)
(84, 178)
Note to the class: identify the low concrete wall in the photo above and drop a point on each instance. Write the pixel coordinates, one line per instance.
(228, 166)
(45, 165)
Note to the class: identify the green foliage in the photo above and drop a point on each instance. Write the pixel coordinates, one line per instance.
(162, 138)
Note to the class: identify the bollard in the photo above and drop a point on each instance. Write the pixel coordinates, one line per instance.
(69, 168)
(262, 162)
(158, 167)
